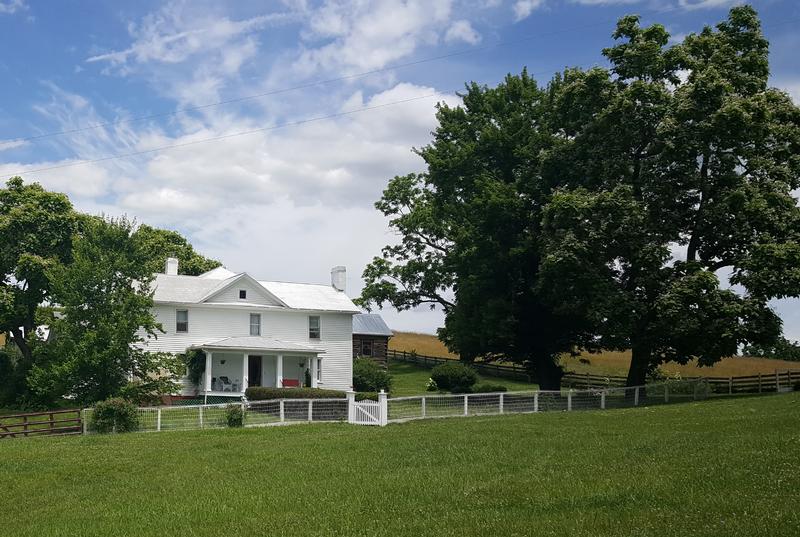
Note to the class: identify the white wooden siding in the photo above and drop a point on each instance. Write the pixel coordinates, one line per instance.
(208, 322)
(255, 295)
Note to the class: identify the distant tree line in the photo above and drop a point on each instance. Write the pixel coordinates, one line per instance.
(76, 303)
(783, 349)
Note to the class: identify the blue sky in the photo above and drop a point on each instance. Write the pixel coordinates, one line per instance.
(286, 203)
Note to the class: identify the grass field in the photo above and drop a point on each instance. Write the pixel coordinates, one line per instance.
(410, 379)
(608, 362)
(659, 471)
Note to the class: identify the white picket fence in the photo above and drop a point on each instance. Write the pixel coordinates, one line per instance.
(398, 409)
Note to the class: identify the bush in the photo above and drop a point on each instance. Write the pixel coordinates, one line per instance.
(234, 415)
(486, 387)
(368, 376)
(263, 393)
(367, 396)
(114, 415)
(454, 376)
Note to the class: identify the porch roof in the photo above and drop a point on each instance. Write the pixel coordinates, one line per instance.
(257, 343)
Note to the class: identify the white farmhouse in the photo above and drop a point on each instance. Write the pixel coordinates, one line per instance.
(256, 333)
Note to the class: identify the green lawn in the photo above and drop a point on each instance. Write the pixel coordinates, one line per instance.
(721, 467)
(410, 379)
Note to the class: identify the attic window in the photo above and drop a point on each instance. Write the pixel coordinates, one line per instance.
(242, 294)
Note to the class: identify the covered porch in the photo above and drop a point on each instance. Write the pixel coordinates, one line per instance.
(234, 364)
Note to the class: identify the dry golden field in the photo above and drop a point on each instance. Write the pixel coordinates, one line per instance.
(609, 362)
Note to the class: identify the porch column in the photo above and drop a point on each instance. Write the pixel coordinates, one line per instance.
(208, 372)
(279, 371)
(313, 371)
(245, 371)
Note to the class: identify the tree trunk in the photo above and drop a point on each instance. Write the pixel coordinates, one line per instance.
(18, 337)
(640, 364)
(548, 374)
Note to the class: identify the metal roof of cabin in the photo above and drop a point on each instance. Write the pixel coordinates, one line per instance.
(303, 296)
(370, 324)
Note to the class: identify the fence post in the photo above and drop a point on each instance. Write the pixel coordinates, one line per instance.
(759, 383)
(383, 408)
(730, 385)
(283, 411)
(666, 393)
(200, 414)
(351, 406)
(158, 419)
(777, 381)
(84, 421)
(569, 399)
(424, 407)
(536, 402)
(501, 402)
(310, 410)
(587, 380)
(636, 396)
(603, 400)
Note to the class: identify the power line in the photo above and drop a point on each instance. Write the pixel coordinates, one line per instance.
(307, 85)
(231, 135)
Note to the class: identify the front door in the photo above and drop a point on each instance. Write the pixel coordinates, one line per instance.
(254, 371)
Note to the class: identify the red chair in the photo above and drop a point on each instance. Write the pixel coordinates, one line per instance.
(291, 383)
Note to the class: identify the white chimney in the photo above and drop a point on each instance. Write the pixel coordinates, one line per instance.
(171, 267)
(339, 278)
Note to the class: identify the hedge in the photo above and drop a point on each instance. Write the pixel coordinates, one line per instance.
(263, 393)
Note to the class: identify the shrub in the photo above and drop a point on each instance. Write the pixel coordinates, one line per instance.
(263, 393)
(454, 376)
(486, 387)
(431, 385)
(114, 415)
(234, 415)
(367, 396)
(368, 376)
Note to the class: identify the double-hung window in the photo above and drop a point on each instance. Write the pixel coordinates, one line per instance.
(314, 329)
(255, 324)
(182, 321)
(366, 348)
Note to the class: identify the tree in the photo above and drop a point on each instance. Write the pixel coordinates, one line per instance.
(158, 244)
(675, 166)
(103, 320)
(35, 237)
(783, 349)
(469, 231)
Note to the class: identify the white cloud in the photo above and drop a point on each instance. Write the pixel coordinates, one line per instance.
(5, 145)
(12, 6)
(706, 4)
(462, 30)
(351, 35)
(524, 8)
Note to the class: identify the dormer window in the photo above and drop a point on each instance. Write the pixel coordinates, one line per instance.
(242, 294)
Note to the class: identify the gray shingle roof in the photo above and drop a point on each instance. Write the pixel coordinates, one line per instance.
(370, 324)
(258, 343)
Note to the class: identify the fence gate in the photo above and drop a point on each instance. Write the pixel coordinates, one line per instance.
(367, 413)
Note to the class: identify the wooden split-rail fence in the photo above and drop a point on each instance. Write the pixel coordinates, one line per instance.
(780, 380)
(50, 423)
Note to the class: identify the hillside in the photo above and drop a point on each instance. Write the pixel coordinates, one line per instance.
(609, 362)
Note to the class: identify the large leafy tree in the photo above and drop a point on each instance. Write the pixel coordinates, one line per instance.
(156, 245)
(36, 229)
(104, 317)
(469, 231)
(677, 168)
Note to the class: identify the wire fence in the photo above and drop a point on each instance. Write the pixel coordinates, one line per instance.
(399, 409)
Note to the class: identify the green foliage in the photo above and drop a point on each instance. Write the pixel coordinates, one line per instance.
(366, 396)
(36, 229)
(707, 163)
(264, 393)
(105, 314)
(235, 415)
(487, 387)
(156, 245)
(369, 376)
(307, 378)
(115, 415)
(195, 361)
(783, 349)
(454, 376)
